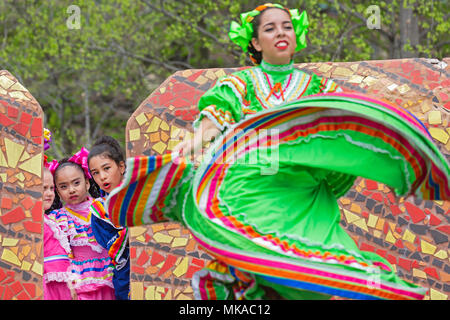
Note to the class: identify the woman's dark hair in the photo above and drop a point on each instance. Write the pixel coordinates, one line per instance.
(57, 204)
(108, 147)
(256, 56)
(94, 189)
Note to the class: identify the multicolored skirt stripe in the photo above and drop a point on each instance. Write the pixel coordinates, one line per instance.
(263, 200)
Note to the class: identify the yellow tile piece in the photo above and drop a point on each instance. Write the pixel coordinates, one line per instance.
(137, 290)
(11, 257)
(210, 75)
(392, 225)
(441, 254)
(325, 68)
(361, 223)
(137, 231)
(174, 132)
(377, 233)
(434, 117)
(356, 79)
(380, 224)
(370, 81)
(350, 217)
(150, 293)
(427, 247)
(154, 137)
(25, 156)
(3, 162)
(436, 295)
(439, 134)
(181, 268)
(141, 119)
(344, 72)
(201, 80)
(186, 73)
(182, 296)
(13, 152)
(355, 208)
(409, 236)
(175, 232)
(425, 106)
(140, 239)
(3, 92)
(5, 82)
(18, 86)
(20, 176)
(188, 290)
(162, 238)
(354, 67)
(159, 147)
(18, 95)
(403, 88)
(9, 242)
(37, 268)
(154, 125)
(26, 250)
(390, 238)
(345, 201)
(134, 134)
(179, 242)
(33, 165)
(439, 202)
(220, 73)
(26, 266)
(172, 144)
(419, 273)
(164, 126)
(157, 227)
(159, 265)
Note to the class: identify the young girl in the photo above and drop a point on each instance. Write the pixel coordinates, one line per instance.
(91, 266)
(107, 165)
(57, 273)
(280, 232)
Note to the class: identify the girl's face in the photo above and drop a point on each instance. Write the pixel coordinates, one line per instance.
(276, 37)
(49, 190)
(71, 184)
(106, 173)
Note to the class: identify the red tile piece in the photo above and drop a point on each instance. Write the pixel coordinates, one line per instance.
(445, 229)
(170, 261)
(13, 112)
(30, 288)
(198, 262)
(404, 263)
(33, 226)
(386, 228)
(2, 288)
(416, 214)
(36, 127)
(191, 270)
(5, 121)
(142, 258)
(2, 275)
(36, 212)
(132, 253)
(395, 209)
(25, 118)
(37, 140)
(16, 287)
(23, 296)
(21, 128)
(13, 216)
(156, 258)
(137, 269)
(381, 252)
(434, 221)
(377, 196)
(367, 247)
(371, 185)
(399, 244)
(27, 203)
(6, 203)
(407, 67)
(431, 272)
(391, 258)
(8, 294)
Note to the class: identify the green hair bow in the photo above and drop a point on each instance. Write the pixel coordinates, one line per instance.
(242, 34)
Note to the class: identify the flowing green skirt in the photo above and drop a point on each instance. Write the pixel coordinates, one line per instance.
(263, 201)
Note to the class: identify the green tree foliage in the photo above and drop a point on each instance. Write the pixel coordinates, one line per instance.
(90, 79)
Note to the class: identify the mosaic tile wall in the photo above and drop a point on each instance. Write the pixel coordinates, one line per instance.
(21, 156)
(411, 234)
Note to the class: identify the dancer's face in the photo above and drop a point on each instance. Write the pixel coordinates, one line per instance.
(106, 172)
(49, 190)
(276, 37)
(71, 185)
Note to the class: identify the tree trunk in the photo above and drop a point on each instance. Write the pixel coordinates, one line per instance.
(409, 31)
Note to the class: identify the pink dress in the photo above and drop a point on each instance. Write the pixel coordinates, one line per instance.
(57, 272)
(91, 266)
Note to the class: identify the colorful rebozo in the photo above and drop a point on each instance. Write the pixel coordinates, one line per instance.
(107, 166)
(91, 266)
(263, 201)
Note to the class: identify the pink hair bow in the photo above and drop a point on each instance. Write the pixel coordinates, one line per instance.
(52, 165)
(81, 158)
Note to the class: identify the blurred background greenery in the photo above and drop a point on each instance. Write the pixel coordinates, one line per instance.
(90, 77)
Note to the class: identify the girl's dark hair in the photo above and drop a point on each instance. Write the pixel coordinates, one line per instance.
(109, 147)
(256, 56)
(94, 189)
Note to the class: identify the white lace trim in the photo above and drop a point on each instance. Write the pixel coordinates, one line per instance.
(58, 277)
(59, 235)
